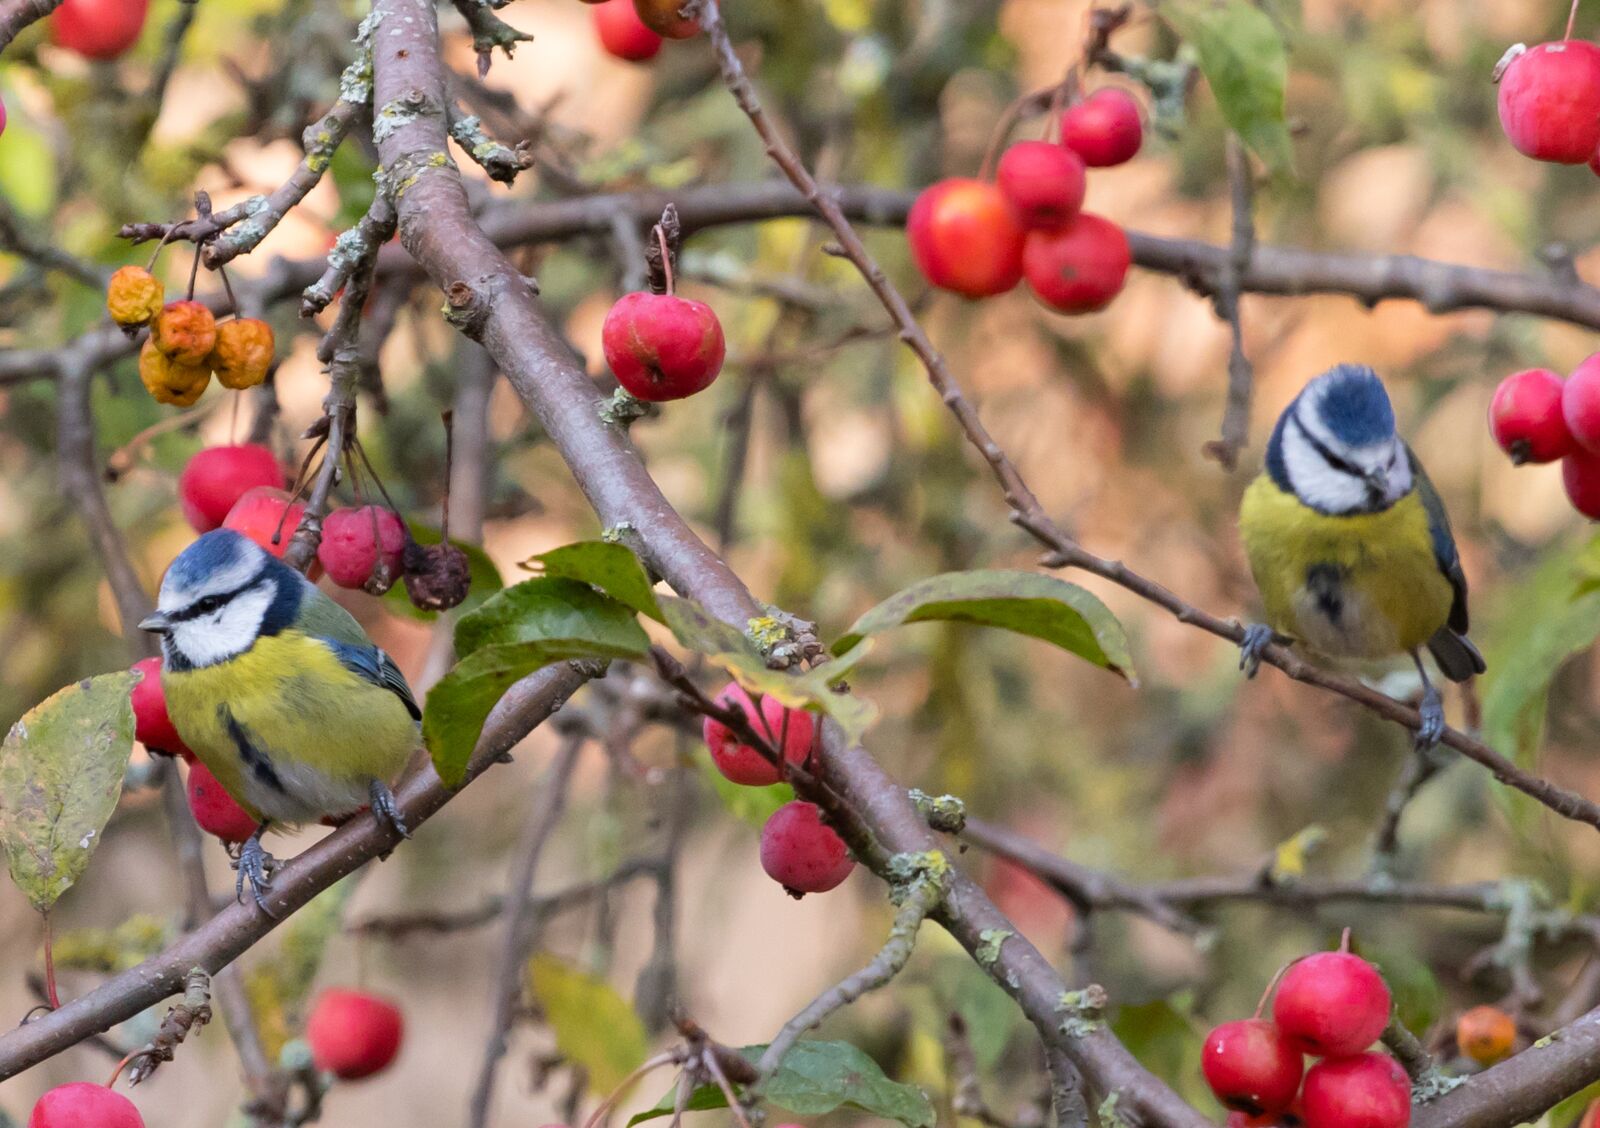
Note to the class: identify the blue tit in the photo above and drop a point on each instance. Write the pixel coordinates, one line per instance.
(1349, 542)
(278, 691)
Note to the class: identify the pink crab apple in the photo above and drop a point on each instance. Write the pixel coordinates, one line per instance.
(1079, 268)
(1332, 1004)
(622, 33)
(1580, 475)
(263, 513)
(214, 810)
(802, 854)
(1366, 1091)
(965, 239)
(1580, 404)
(1104, 129)
(1251, 1067)
(790, 729)
(355, 540)
(1550, 101)
(353, 1034)
(152, 727)
(1043, 183)
(662, 347)
(215, 478)
(1526, 418)
(82, 1104)
(98, 29)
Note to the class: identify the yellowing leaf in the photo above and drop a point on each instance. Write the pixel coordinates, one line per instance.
(594, 1026)
(61, 769)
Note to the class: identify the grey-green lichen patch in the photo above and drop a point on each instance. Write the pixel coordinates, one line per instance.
(768, 633)
(1434, 1084)
(621, 409)
(989, 941)
(616, 534)
(348, 250)
(1109, 1115)
(944, 813)
(393, 115)
(1083, 1009)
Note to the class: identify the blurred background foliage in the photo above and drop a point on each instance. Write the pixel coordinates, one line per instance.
(854, 484)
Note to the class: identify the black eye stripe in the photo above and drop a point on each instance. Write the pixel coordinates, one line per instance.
(210, 603)
(1344, 466)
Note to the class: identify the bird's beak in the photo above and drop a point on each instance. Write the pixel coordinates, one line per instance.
(1377, 482)
(156, 623)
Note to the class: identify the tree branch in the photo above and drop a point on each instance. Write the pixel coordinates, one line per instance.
(16, 15)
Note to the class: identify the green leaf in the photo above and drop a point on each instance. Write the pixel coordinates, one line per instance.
(594, 1026)
(1243, 57)
(1161, 1034)
(700, 631)
(1029, 603)
(817, 1077)
(611, 567)
(61, 769)
(484, 576)
(546, 608)
(752, 805)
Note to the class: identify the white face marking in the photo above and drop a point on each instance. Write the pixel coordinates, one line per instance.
(230, 628)
(1333, 489)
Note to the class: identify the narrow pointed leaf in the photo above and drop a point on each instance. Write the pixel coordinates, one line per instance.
(61, 769)
(1028, 603)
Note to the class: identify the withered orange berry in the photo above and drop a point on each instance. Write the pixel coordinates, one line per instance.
(134, 296)
(168, 380)
(243, 352)
(185, 331)
(664, 17)
(1486, 1034)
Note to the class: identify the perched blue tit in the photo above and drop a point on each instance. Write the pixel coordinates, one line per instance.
(1349, 542)
(278, 691)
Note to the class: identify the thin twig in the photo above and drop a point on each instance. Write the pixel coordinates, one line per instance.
(1241, 376)
(18, 14)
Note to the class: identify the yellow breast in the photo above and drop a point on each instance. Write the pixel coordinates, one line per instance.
(291, 733)
(1362, 586)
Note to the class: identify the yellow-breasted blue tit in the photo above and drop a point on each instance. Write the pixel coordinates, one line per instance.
(1350, 544)
(278, 690)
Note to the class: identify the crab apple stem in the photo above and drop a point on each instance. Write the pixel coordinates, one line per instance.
(450, 450)
(1572, 17)
(666, 255)
(227, 286)
(194, 271)
(1344, 941)
(1272, 985)
(121, 1065)
(667, 1058)
(50, 964)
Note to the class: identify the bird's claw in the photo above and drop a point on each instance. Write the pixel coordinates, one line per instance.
(1430, 728)
(254, 866)
(386, 810)
(1257, 637)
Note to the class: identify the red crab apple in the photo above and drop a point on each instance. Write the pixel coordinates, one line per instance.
(1043, 183)
(260, 514)
(1104, 129)
(1079, 268)
(965, 239)
(151, 725)
(662, 347)
(1251, 1066)
(800, 853)
(1525, 417)
(1332, 1004)
(84, 1105)
(98, 29)
(354, 540)
(1580, 403)
(353, 1034)
(2, 116)
(1367, 1091)
(214, 810)
(622, 33)
(789, 728)
(1580, 474)
(1550, 101)
(218, 476)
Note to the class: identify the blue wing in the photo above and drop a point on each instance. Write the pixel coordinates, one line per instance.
(376, 667)
(1444, 543)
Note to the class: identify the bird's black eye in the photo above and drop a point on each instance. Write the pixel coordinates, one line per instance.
(207, 605)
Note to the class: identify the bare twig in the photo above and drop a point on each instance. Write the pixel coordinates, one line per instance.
(15, 15)
(1241, 377)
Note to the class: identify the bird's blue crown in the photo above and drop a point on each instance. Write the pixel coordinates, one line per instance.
(216, 551)
(1352, 404)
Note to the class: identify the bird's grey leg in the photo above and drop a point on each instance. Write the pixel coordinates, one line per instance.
(254, 865)
(385, 809)
(1257, 637)
(1431, 709)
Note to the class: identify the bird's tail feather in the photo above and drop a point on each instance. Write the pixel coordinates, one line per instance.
(1456, 655)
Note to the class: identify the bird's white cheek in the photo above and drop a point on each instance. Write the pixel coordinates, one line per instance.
(214, 638)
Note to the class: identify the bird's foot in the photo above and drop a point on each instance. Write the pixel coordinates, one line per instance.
(386, 810)
(1257, 637)
(1431, 711)
(254, 866)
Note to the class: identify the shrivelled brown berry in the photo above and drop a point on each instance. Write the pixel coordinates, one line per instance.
(665, 17)
(185, 331)
(436, 575)
(168, 380)
(243, 352)
(134, 296)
